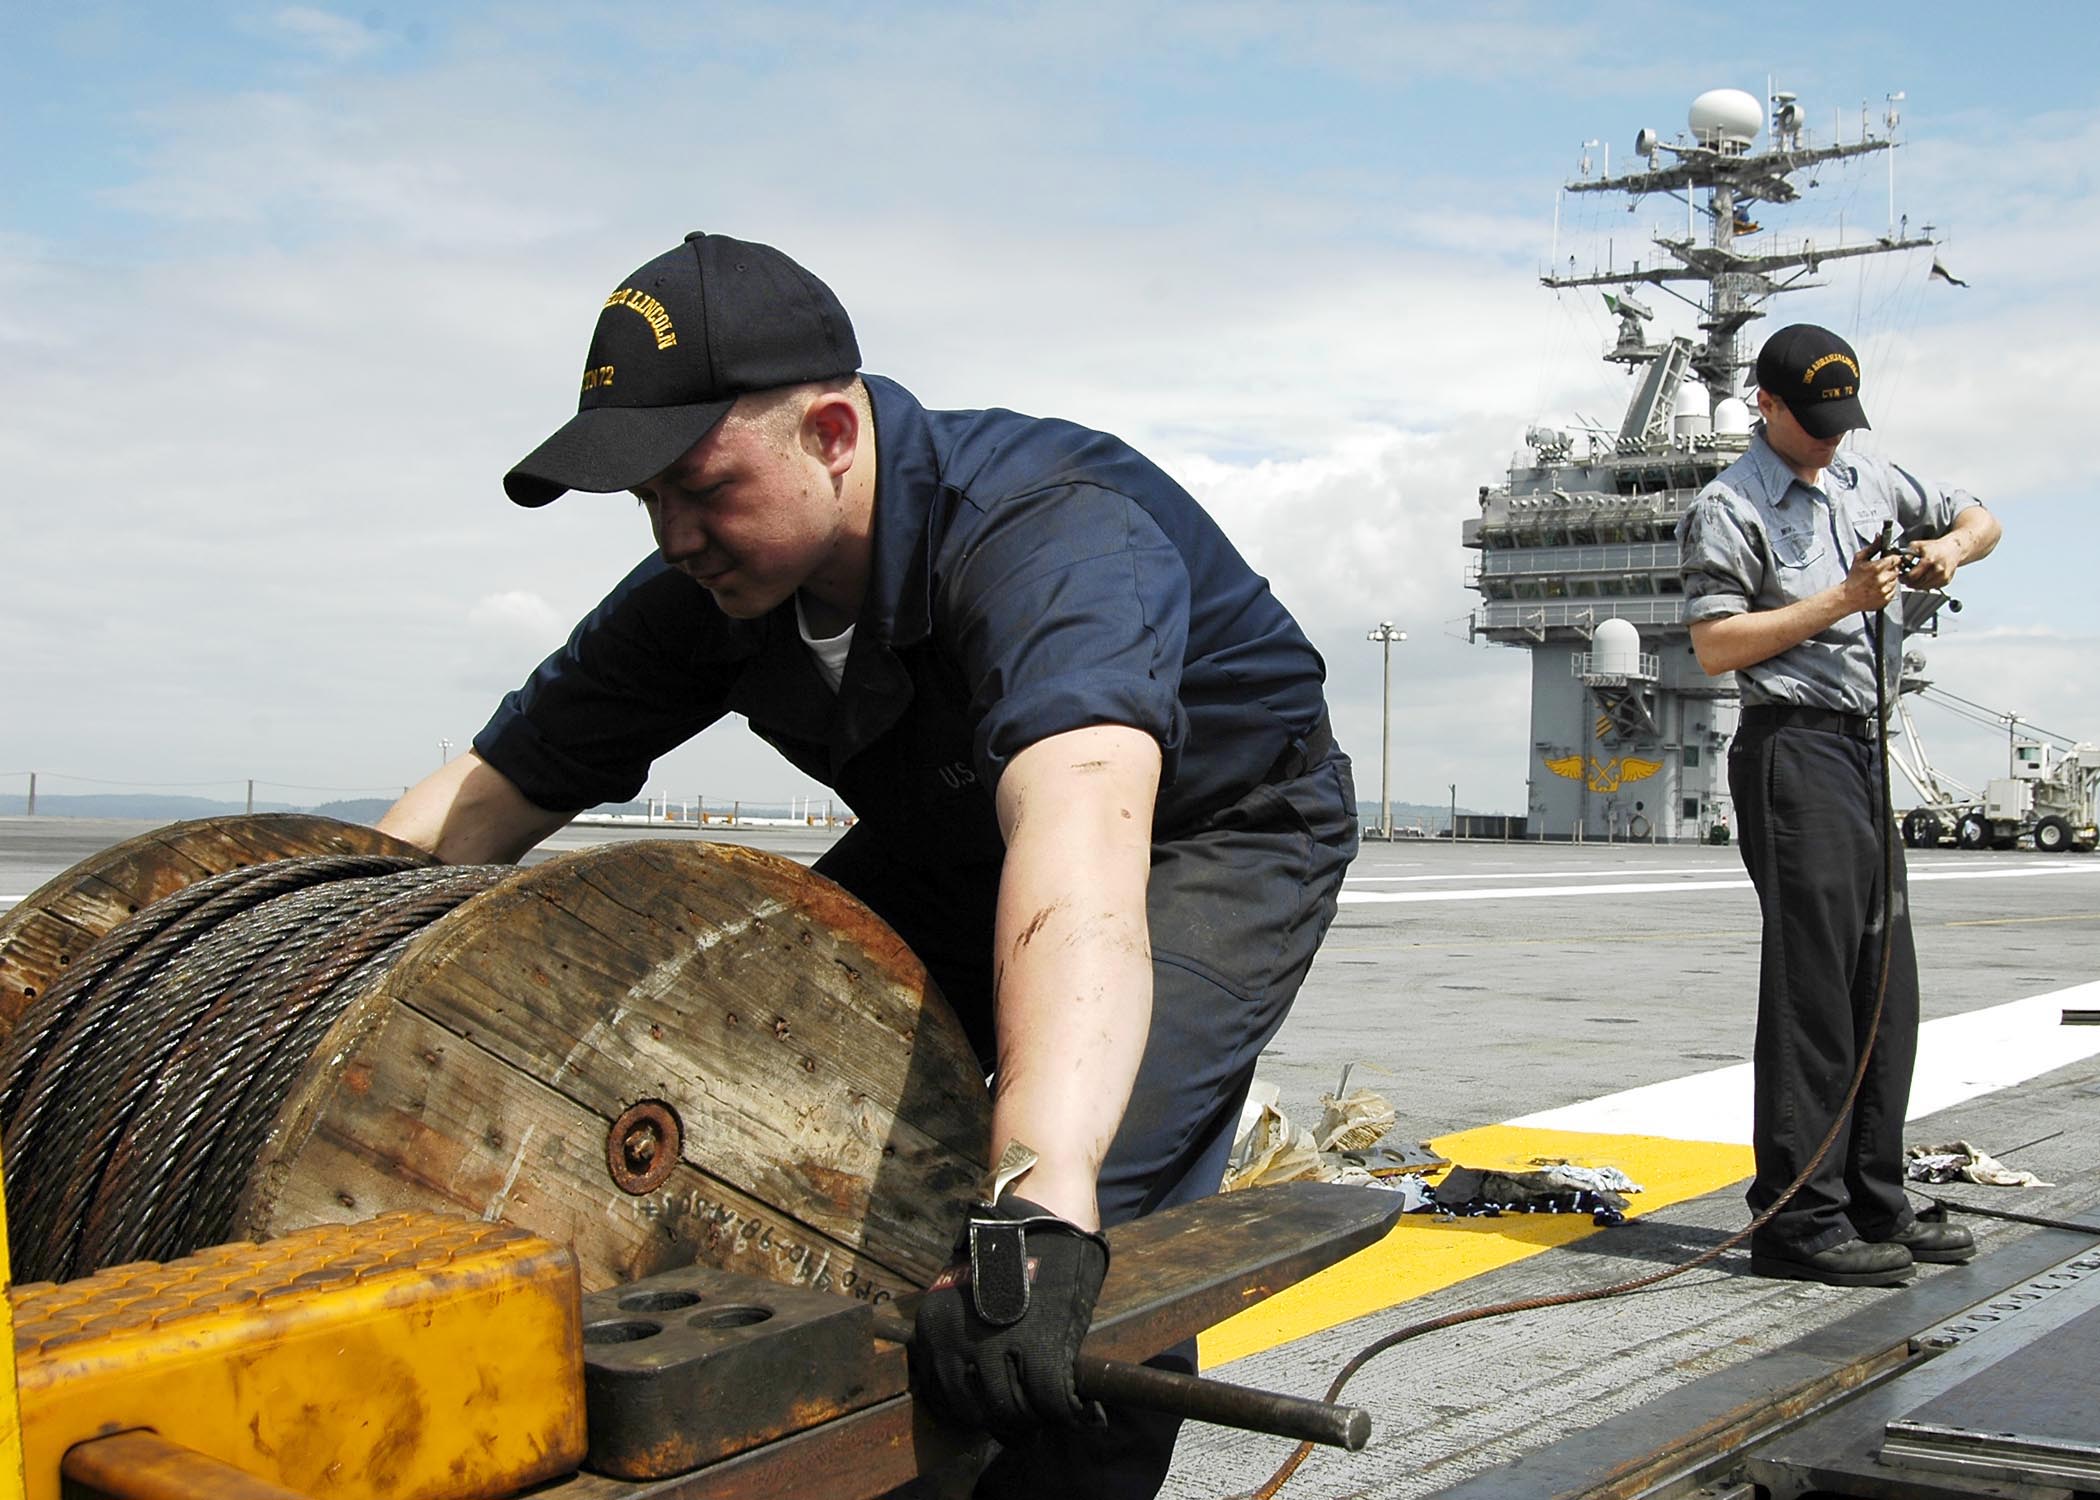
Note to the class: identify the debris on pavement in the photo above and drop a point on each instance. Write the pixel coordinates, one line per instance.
(1958, 1161)
(1595, 1179)
(1268, 1148)
(1473, 1192)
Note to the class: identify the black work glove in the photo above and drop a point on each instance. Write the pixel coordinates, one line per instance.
(998, 1331)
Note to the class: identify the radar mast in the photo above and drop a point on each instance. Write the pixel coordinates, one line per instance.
(1628, 741)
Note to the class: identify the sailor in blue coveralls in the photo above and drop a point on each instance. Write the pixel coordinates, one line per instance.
(1087, 748)
(1784, 584)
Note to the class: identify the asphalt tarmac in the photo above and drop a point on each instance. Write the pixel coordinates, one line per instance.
(1478, 984)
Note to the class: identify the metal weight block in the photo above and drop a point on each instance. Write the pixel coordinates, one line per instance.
(690, 1366)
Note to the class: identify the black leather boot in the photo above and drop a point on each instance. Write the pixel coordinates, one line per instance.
(1849, 1263)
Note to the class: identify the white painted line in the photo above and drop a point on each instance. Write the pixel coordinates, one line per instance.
(2081, 867)
(1511, 892)
(1666, 887)
(1524, 875)
(1959, 1058)
(1710, 1106)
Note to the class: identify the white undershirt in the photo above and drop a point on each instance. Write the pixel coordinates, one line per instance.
(830, 653)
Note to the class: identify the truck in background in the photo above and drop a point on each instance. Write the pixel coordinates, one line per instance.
(2051, 797)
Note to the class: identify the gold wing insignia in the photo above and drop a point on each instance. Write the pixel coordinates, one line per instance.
(1569, 766)
(1633, 768)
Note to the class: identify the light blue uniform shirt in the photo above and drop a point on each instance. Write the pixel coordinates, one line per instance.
(1757, 538)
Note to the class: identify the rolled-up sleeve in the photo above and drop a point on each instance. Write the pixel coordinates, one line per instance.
(1925, 509)
(1069, 608)
(1719, 563)
(632, 683)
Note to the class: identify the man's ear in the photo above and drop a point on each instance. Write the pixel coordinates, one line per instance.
(831, 431)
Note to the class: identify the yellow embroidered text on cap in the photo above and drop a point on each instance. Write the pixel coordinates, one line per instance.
(650, 308)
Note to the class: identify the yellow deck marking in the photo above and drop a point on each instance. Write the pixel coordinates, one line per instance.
(10, 1406)
(1424, 1254)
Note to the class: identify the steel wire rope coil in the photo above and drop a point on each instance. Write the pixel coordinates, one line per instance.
(175, 1177)
(126, 954)
(97, 1097)
(47, 1016)
(87, 1082)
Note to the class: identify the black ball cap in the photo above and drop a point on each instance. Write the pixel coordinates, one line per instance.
(677, 342)
(1816, 374)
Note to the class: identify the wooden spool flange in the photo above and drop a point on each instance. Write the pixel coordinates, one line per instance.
(719, 1004)
(59, 920)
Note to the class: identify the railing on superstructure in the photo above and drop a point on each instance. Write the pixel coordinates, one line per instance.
(1512, 619)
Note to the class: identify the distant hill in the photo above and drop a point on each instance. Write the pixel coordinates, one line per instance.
(157, 807)
(160, 808)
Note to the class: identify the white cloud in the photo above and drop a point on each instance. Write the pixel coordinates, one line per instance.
(515, 615)
(332, 37)
(253, 452)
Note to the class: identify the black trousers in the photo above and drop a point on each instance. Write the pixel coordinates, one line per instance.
(1809, 806)
(1236, 911)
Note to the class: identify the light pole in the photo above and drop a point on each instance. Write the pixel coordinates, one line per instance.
(1385, 635)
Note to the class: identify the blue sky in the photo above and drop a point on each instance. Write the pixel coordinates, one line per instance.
(285, 288)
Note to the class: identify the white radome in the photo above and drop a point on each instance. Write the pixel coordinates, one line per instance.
(1726, 117)
(1693, 417)
(1731, 416)
(1616, 647)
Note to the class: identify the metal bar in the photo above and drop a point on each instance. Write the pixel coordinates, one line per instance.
(1118, 1382)
(1992, 1456)
(143, 1465)
(2015, 1218)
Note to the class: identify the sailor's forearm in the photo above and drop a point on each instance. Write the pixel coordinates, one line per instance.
(1072, 964)
(469, 813)
(1732, 642)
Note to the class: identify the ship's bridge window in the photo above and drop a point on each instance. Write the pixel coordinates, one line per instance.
(1637, 584)
(1691, 756)
(1669, 583)
(1582, 588)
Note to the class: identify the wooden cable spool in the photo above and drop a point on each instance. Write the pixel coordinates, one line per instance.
(660, 1053)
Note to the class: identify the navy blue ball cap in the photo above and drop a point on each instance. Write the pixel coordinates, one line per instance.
(1816, 374)
(709, 320)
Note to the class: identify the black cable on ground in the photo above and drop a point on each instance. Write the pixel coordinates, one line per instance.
(1949, 1205)
(1371, 1351)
